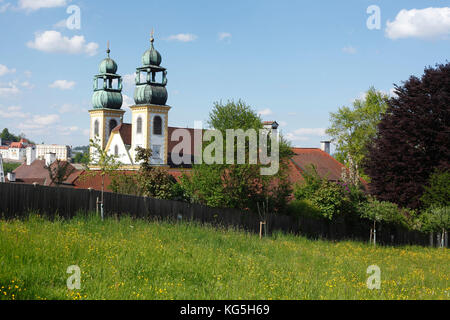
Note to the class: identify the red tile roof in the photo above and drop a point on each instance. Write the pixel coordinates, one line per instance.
(36, 172)
(325, 164)
(18, 145)
(125, 130)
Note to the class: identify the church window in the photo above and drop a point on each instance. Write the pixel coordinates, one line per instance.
(139, 125)
(157, 125)
(112, 125)
(116, 150)
(96, 128)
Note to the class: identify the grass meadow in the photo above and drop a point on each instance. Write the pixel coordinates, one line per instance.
(134, 259)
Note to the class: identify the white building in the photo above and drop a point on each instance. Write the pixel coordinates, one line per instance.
(16, 151)
(62, 153)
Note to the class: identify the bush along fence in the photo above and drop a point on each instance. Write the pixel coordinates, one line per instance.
(18, 200)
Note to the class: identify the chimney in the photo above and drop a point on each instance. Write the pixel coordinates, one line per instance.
(50, 158)
(11, 177)
(325, 146)
(31, 155)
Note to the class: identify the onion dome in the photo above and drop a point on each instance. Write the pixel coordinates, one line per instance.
(150, 91)
(107, 86)
(151, 57)
(108, 65)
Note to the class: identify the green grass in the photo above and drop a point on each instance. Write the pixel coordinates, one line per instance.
(131, 259)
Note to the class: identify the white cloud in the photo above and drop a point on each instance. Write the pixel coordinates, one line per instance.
(33, 5)
(28, 74)
(429, 23)
(349, 50)
(182, 37)
(310, 131)
(37, 122)
(4, 7)
(27, 84)
(225, 36)
(60, 24)
(62, 84)
(293, 137)
(67, 108)
(5, 70)
(392, 93)
(129, 80)
(54, 41)
(10, 89)
(304, 134)
(13, 112)
(127, 102)
(265, 112)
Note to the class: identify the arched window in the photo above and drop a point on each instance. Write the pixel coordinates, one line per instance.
(112, 125)
(116, 150)
(96, 128)
(139, 125)
(157, 125)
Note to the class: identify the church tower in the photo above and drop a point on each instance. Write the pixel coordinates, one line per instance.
(150, 114)
(107, 102)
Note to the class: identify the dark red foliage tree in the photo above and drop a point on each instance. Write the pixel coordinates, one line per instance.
(413, 138)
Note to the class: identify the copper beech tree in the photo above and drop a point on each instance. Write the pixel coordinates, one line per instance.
(413, 138)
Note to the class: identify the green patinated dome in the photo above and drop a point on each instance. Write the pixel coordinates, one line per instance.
(108, 94)
(150, 91)
(107, 100)
(108, 65)
(150, 94)
(151, 57)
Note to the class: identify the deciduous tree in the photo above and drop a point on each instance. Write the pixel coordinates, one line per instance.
(413, 138)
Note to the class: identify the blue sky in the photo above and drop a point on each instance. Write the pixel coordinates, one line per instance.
(293, 61)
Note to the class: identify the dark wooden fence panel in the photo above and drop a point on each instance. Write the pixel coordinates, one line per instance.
(18, 200)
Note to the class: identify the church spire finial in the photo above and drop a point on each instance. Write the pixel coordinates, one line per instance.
(108, 50)
(152, 39)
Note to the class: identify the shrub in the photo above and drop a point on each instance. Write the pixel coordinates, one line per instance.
(312, 183)
(331, 200)
(303, 208)
(436, 219)
(437, 193)
(379, 211)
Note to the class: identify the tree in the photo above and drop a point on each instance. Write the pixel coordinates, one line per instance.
(101, 163)
(7, 136)
(154, 182)
(352, 128)
(59, 171)
(81, 157)
(238, 185)
(378, 211)
(437, 219)
(437, 192)
(412, 139)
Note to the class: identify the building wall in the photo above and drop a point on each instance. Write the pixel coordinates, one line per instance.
(123, 155)
(147, 139)
(17, 154)
(62, 152)
(158, 141)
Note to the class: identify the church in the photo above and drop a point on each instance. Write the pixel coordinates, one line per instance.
(149, 116)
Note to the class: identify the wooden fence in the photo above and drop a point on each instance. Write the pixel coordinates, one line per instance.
(18, 200)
